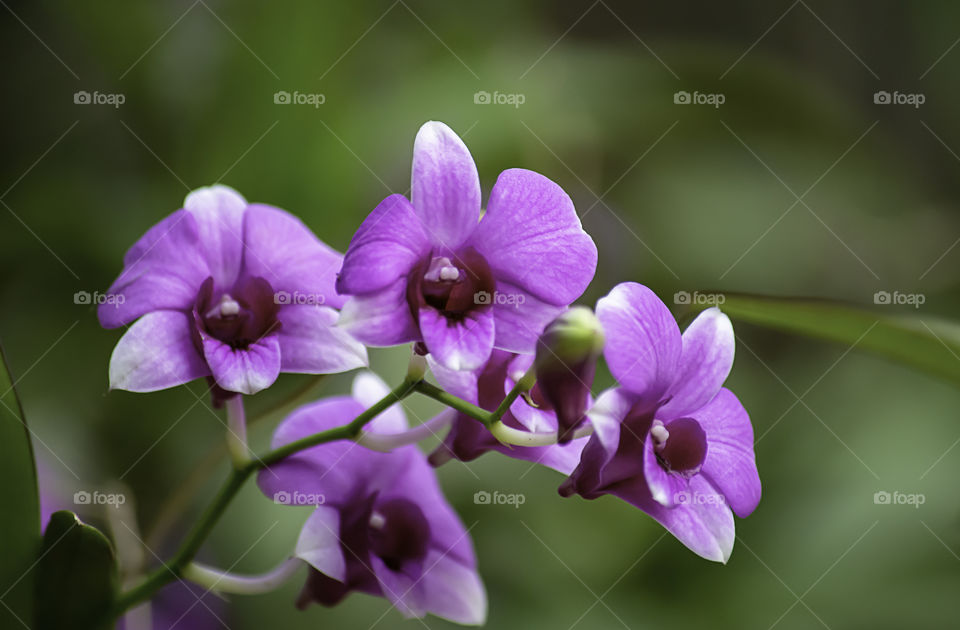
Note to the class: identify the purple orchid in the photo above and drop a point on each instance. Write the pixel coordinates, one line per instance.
(468, 439)
(670, 439)
(381, 525)
(429, 269)
(225, 289)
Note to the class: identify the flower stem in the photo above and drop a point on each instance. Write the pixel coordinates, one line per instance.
(509, 435)
(226, 582)
(386, 442)
(237, 432)
(461, 405)
(521, 386)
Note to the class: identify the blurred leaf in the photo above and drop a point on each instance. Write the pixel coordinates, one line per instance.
(925, 343)
(76, 577)
(20, 524)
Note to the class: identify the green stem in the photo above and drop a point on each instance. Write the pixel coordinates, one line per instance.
(461, 405)
(174, 569)
(521, 386)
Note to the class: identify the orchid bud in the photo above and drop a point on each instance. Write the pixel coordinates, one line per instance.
(565, 363)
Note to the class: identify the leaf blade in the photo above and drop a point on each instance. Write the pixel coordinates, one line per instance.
(930, 344)
(20, 525)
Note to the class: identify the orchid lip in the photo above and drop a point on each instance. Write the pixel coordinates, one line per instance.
(398, 532)
(240, 316)
(680, 445)
(450, 283)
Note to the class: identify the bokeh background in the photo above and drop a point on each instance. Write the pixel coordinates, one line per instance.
(677, 196)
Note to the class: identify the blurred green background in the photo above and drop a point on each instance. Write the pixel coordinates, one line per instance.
(677, 196)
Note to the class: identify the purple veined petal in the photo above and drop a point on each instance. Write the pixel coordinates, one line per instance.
(452, 591)
(520, 318)
(445, 186)
(386, 247)
(319, 543)
(665, 488)
(163, 270)
(643, 342)
(562, 458)
(368, 389)
(412, 478)
(705, 362)
(704, 524)
(462, 383)
(398, 588)
(381, 318)
(312, 343)
(218, 211)
(157, 352)
(606, 416)
(532, 237)
(730, 464)
(244, 370)
(458, 345)
(331, 470)
(282, 250)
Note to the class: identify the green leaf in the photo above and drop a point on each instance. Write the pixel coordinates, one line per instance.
(76, 577)
(20, 521)
(926, 343)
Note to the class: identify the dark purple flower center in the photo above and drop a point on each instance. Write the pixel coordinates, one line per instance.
(680, 445)
(240, 316)
(398, 532)
(454, 284)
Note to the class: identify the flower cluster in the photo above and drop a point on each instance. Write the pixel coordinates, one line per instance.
(237, 293)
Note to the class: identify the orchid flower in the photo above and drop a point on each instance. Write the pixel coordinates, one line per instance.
(670, 439)
(430, 269)
(229, 290)
(381, 524)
